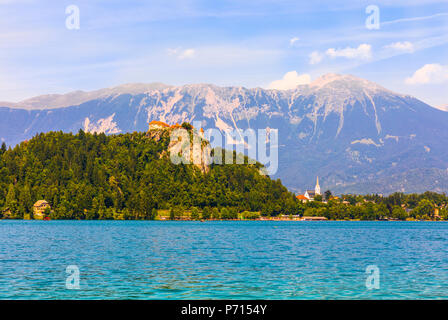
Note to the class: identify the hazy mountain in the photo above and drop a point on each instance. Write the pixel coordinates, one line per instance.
(356, 135)
(52, 101)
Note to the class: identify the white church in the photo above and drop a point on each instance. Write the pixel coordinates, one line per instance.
(310, 194)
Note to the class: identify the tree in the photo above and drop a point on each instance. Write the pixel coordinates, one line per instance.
(327, 195)
(215, 214)
(425, 208)
(318, 198)
(178, 212)
(154, 213)
(399, 213)
(381, 211)
(233, 213)
(195, 214)
(25, 200)
(145, 205)
(91, 215)
(225, 214)
(412, 200)
(443, 214)
(187, 126)
(250, 215)
(101, 207)
(11, 201)
(3, 148)
(206, 214)
(81, 135)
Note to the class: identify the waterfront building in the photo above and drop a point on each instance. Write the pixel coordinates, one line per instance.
(39, 209)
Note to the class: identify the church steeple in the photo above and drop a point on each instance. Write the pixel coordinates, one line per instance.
(317, 187)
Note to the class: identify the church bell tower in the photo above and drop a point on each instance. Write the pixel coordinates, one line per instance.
(317, 187)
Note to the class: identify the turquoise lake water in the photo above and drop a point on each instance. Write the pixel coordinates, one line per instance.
(223, 260)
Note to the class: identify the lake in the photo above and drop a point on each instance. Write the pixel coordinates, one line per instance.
(223, 260)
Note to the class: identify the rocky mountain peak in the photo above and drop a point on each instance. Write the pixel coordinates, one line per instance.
(346, 82)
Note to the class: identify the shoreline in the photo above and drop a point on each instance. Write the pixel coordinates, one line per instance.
(229, 220)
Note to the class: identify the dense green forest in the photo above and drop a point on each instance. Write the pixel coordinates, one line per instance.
(127, 176)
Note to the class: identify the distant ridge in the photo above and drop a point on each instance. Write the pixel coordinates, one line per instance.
(53, 101)
(73, 98)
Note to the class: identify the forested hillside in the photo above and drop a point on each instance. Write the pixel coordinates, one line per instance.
(98, 176)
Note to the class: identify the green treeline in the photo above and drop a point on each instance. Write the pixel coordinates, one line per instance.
(127, 176)
(397, 206)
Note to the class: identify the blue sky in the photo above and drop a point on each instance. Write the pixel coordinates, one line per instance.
(239, 43)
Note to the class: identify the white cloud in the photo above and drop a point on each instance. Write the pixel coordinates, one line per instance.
(290, 80)
(293, 40)
(429, 73)
(315, 57)
(364, 52)
(182, 54)
(442, 14)
(187, 54)
(405, 46)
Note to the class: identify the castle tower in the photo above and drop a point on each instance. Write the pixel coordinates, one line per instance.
(317, 187)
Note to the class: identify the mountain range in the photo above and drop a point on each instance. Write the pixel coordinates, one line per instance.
(357, 136)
